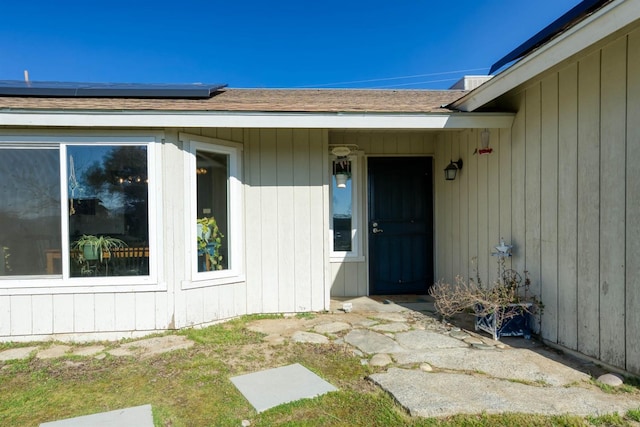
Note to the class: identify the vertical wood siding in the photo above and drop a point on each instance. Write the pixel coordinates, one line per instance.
(286, 230)
(632, 218)
(563, 183)
(206, 303)
(285, 249)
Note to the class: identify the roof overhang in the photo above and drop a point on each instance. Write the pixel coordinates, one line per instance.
(596, 27)
(164, 119)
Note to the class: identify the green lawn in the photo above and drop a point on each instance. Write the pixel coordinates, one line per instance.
(192, 388)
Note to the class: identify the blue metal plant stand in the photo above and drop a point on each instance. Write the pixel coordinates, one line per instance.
(517, 325)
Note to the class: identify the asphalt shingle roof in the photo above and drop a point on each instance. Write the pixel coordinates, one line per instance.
(262, 100)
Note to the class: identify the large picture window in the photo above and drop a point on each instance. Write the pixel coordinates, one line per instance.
(216, 227)
(108, 210)
(77, 208)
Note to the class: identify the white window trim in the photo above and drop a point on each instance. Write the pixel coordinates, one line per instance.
(63, 283)
(235, 215)
(356, 254)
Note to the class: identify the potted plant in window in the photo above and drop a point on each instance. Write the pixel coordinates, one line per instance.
(209, 239)
(94, 248)
(5, 267)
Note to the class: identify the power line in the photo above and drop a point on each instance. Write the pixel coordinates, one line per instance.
(415, 83)
(393, 78)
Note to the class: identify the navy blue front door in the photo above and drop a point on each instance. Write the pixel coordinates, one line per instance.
(400, 225)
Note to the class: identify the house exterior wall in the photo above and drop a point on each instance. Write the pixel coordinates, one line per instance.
(349, 277)
(285, 232)
(86, 310)
(286, 198)
(562, 187)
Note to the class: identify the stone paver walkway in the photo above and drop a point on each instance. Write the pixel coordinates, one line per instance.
(435, 370)
(142, 348)
(430, 368)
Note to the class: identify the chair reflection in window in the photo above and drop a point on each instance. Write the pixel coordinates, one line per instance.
(127, 261)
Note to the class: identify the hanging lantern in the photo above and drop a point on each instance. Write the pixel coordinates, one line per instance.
(342, 171)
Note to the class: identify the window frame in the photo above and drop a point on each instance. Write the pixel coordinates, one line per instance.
(59, 282)
(235, 214)
(356, 253)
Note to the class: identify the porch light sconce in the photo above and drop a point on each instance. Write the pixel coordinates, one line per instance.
(451, 170)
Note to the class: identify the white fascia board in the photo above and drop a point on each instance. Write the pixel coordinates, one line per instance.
(591, 30)
(258, 120)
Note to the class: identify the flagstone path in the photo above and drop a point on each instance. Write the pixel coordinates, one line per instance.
(431, 368)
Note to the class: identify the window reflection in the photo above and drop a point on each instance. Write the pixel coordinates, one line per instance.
(342, 200)
(30, 210)
(108, 210)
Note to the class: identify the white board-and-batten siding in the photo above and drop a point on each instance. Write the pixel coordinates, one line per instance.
(349, 277)
(285, 231)
(563, 183)
(82, 316)
(286, 226)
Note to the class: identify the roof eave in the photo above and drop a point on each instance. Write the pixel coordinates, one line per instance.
(585, 33)
(232, 119)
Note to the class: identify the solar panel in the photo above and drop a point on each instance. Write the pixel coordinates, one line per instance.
(108, 90)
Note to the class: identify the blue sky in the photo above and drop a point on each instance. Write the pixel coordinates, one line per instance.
(271, 44)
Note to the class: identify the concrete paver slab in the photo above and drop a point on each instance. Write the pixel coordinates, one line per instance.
(439, 394)
(392, 327)
(515, 364)
(53, 352)
(138, 416)
(390, 317)
(285, 327)
(365, 304)
(331, 328)
(88, 351)
(121, 352)
(424, 340)
(309, 337)
(372, 342)
(273, 387)
(16, 353)
(158, 345)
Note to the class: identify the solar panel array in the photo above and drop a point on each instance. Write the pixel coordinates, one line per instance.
(108, 90)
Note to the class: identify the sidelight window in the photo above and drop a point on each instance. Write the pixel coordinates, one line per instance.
(216, 197)
(345, 235)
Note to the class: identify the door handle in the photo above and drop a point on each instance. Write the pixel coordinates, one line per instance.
(377, 230)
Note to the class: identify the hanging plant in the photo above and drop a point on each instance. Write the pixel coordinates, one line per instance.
(5, 258)
(209, 239)
(342, 171)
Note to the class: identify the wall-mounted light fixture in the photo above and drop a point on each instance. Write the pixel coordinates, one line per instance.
(451, 170)
(342, 164)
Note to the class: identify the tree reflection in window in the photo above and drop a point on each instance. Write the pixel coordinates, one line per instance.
(109, 197)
